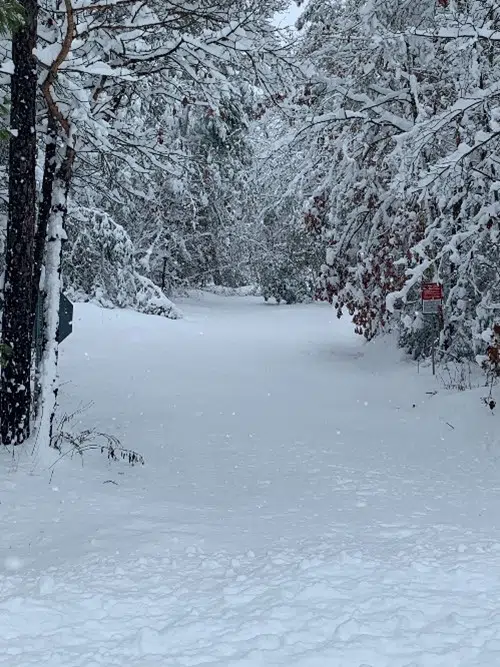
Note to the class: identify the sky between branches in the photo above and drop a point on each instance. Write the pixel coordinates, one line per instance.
(290, 16)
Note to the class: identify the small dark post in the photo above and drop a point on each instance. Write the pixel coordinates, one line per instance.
(164, 274)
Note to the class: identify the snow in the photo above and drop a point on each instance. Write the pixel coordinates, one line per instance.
(305, 502)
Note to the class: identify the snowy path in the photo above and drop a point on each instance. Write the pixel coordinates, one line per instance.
(304, 502)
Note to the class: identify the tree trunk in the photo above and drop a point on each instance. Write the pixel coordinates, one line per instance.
(17, 333)
(48, 377)
(49, 174)
(53, 214)
(44, 209)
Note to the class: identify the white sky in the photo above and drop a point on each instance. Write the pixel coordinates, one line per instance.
(289, 17)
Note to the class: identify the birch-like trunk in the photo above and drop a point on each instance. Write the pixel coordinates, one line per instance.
(44, 210)
(48, 379)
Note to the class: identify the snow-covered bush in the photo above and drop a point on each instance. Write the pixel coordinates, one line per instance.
(99, 265)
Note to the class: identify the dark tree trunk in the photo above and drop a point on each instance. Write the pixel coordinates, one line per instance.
(15, 392)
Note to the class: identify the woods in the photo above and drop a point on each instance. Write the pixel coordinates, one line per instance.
(153, 149)
(398, 127)
(92, 86)
(250, 333)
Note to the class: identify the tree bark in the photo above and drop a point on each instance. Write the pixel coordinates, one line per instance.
(49, 174)
(54, 210)
(48, 376)
(17, 332)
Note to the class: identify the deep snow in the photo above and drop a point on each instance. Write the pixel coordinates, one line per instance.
(304, 502)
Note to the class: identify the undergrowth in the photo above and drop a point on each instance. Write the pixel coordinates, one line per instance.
(69, 441)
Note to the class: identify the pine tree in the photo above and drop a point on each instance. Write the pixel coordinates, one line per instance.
(15, 393)
(11, 15)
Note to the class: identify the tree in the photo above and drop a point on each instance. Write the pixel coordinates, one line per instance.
(15, 393)
(286, 244)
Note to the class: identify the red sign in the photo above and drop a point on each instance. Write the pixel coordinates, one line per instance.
(432, 292)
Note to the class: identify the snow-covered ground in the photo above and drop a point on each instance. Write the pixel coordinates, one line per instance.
(304, 502)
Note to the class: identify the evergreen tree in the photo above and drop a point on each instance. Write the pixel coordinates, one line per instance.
(11, 15)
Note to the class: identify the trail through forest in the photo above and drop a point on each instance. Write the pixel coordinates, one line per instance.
(306, 500)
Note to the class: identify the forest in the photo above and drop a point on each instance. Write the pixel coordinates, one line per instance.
(153, 147)
(250, 333)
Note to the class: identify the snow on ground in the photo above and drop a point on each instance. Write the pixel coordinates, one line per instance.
(304, 503)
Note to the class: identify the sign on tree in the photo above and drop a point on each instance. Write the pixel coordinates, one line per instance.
(432, 298)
